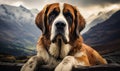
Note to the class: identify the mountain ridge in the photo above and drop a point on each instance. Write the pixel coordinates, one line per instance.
(18, 32)
(94, 19)
(105, 32)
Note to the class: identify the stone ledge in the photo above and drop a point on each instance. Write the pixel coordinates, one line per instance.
(107, 67)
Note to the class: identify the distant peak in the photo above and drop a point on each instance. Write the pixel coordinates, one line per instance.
(21, 6)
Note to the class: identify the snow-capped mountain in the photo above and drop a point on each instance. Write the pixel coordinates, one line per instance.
(105, 35)
(18, 32)
(99, 17)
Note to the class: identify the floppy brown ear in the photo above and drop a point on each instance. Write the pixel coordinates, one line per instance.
(79, 22)
(40, 19)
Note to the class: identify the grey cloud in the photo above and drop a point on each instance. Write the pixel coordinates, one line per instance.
(87, 3)
(79, 3)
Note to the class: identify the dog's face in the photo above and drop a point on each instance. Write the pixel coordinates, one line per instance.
(60, 22)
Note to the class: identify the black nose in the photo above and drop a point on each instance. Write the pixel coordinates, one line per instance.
(60, 25)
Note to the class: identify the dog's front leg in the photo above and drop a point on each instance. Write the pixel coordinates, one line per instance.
(31, 64)
(73, 61)
(67, 63)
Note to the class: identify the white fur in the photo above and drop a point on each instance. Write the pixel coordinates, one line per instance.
(54, 50)
(65, 50)
(67, 63)
(41, 52)
(30, 65)
(60, 18)
(79, 54)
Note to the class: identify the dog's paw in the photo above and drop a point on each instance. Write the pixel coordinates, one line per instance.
(31, 65)
(66, 64)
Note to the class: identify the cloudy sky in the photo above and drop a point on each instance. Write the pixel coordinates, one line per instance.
(86, 7)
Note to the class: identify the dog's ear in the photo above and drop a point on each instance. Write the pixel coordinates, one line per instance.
(40, 19)
(79, 22)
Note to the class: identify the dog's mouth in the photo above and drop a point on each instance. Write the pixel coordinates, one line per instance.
(59, 36)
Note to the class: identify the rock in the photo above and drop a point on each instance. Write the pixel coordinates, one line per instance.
(107, 67)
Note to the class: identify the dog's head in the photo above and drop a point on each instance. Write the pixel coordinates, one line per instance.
(60, 21)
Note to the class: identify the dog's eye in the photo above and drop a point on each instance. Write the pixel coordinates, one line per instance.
(68, 17)
(52, 16)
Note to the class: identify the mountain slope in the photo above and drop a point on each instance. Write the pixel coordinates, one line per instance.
(18, 32)
(94, 19)
(105, 34)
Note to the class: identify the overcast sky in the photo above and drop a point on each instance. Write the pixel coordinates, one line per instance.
(86, 7)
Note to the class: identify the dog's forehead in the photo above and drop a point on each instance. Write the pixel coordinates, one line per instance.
(67, 8)
(61, 6)
(70, 8)
(51, 7)
(54, 5)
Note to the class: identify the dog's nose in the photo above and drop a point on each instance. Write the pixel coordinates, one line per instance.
(60, 25)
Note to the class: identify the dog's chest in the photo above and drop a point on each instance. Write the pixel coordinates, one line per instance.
(59, 52)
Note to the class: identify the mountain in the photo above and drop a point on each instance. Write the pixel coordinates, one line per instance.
(105, 34)
(99, 17)
(18, 32)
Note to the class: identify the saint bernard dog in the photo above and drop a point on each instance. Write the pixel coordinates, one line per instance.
(60, 44)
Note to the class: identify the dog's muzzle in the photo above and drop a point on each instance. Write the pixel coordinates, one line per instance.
(60, 31)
